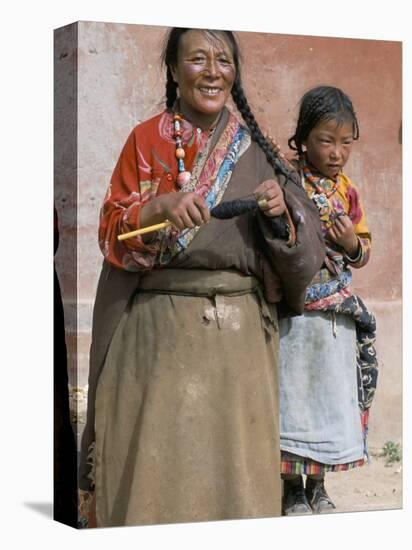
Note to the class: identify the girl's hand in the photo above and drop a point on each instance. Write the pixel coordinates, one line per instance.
(343, 234)
(270, 198)
(182, 209)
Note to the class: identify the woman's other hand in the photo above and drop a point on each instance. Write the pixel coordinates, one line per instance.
(270, 198)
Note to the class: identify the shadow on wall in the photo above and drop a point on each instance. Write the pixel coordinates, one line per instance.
(64, 447)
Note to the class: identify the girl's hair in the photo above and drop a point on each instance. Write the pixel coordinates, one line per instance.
(318, 105)
(170, 57)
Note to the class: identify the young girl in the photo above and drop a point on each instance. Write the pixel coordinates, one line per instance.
(328, 364)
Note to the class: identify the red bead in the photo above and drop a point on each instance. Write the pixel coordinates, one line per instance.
(169, 176)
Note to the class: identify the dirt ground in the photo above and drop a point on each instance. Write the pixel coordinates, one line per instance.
(371, 487)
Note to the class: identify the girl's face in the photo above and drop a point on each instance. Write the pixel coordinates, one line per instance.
(205, 73)
(328, 146)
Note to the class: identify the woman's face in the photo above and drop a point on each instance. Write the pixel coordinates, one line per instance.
(328, 146)
(205, 73)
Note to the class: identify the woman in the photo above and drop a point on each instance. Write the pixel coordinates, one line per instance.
(183, 388)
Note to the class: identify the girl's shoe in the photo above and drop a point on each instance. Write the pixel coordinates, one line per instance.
(318, 498)
(294, 501)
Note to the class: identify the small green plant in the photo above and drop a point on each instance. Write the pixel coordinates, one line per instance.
(392, 452)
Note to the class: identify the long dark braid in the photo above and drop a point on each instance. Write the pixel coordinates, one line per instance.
(169, 58)
(243, 107)
(171, 89)
(320, 104)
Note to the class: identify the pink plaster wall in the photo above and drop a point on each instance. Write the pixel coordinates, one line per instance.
(120, 83)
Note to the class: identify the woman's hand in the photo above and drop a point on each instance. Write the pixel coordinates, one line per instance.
(184, 210)
(342, 233)
(270, 198)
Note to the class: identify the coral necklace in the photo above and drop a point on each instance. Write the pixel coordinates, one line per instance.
(323, 190)
(184, 175)
(317, 183)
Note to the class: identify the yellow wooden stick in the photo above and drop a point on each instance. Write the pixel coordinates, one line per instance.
(143, 230)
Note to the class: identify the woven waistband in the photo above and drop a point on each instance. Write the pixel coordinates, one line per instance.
(198, 282)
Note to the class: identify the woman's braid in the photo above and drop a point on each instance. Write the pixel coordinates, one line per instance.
(171, 89)
(241, 103)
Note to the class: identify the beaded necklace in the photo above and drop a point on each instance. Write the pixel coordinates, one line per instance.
(322, 185)
(184, 175)
(324, 188)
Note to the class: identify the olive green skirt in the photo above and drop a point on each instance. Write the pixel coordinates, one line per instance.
(187, 421)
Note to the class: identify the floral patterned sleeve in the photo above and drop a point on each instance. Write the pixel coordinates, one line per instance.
(120, 213)
(356, 213)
